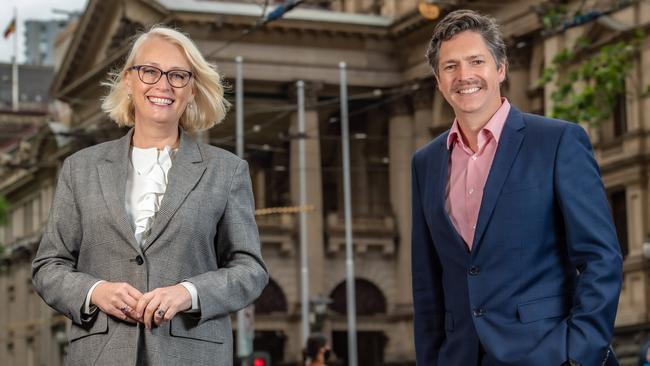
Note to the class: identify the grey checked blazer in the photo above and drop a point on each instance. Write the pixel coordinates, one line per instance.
(204, 233)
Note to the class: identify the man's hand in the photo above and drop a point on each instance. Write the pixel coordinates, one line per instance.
(162, 304)
(117, 299)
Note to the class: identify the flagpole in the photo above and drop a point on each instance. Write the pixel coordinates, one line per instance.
(14, 78)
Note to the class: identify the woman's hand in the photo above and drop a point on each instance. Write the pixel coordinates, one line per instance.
(162, 304)
(117, 299)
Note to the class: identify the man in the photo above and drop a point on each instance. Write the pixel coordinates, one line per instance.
(515, 256)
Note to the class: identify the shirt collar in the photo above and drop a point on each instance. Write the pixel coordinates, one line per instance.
(494, 127)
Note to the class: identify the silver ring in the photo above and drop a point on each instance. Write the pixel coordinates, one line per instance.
(124, 309)
(160, 312)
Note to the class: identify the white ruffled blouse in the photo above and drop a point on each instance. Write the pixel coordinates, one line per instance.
(146, 185)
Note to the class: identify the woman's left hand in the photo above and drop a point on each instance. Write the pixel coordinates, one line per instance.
(162, 304)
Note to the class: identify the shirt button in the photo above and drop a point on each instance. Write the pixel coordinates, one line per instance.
(474, 157)
(474, 270)
(478, 312)
(139, 260)
(471, 190)
(473, 227)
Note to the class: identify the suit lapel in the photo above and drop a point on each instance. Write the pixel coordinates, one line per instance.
(438, 200)
(112, 178)
(509, 144)
(187, 168)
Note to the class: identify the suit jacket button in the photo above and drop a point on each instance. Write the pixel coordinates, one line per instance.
(478, 312)
(139, 260)
(474, 270)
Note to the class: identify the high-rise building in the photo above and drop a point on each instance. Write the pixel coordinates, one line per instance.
(40, 36)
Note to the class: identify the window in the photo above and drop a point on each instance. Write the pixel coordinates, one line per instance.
(618, 206)
(11, 293)
(370, 300)
(619, 114)
(272, 300)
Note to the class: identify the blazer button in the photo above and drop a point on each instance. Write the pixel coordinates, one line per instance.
(474, 270)
(478, 312)
(139, 260)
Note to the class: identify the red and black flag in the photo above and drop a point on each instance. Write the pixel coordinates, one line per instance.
(11, 27)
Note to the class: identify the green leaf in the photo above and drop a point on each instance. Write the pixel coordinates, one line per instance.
(4, 210)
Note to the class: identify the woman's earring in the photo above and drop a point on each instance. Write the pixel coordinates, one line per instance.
(128, 96)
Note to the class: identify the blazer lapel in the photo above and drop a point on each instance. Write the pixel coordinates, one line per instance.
(509, 144)
(187, 168)
(112, 178)
(438, 200)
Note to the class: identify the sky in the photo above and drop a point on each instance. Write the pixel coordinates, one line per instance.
(29, 10)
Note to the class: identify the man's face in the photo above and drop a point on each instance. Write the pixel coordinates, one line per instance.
(468, 76)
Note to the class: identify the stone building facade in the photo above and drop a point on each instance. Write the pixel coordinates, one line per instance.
(394, 109)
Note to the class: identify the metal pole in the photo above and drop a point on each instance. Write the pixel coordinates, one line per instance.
(349, 260)
(14, 71)
(244, 349)
(239, 100)
(304, 266)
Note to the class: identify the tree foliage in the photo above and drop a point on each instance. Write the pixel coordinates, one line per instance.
(588, 82)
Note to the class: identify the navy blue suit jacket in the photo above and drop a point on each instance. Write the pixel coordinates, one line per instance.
(542, 282)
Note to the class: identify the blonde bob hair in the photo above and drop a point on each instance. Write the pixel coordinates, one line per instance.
(209, 107)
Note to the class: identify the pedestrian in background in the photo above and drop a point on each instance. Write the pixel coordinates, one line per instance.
(317, 350)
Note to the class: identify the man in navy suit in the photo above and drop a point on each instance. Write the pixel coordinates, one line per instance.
(515, 256)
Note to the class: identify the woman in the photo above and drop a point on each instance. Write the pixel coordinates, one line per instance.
(317, 351)
(151, 240)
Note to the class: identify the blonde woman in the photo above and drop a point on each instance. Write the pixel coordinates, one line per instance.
(152, 240)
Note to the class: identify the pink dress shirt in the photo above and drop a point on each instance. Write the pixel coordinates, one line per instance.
(468, 172)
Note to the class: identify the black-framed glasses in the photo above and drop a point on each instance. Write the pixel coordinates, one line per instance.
(151, 74)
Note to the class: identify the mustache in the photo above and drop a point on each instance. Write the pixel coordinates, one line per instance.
(468, 84)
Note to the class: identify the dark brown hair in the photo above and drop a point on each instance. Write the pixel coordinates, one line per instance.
(467, 20)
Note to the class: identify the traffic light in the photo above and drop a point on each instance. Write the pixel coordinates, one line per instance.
(261, 358)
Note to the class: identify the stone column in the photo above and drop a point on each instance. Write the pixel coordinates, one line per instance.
(443, 115)
(423, 116)
(400, 148)
(644, 103)
(517, 79)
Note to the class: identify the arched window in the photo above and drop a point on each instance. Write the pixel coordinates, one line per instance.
(272, 300)
(370, 299)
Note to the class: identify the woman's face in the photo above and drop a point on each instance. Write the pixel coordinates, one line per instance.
(159, 103)
(325, 353)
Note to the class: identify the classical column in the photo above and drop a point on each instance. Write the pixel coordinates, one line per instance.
(314, 185)
(423, 116)
(518, 78)
(400, 149)
(443, 115)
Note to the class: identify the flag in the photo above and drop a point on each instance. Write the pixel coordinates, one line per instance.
(10, 28)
